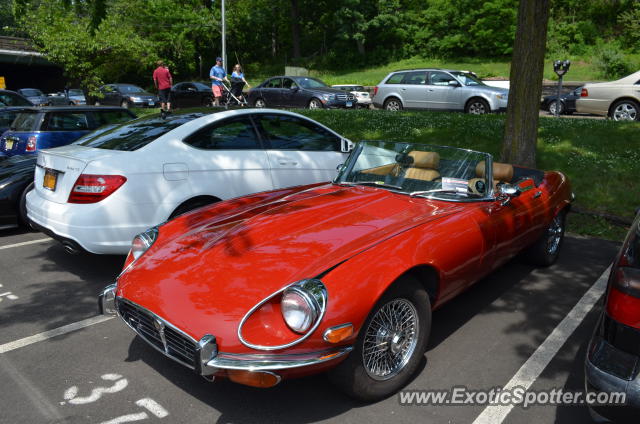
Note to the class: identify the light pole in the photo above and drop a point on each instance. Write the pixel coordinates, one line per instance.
(224, 41)
(560, 67)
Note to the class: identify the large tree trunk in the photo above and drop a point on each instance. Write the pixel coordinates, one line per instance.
(295, 28)
(527, 66)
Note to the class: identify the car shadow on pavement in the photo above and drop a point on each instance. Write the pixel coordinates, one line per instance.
(302, 400)
(59, 290)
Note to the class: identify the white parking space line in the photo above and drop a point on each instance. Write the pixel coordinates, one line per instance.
(25, 243)
(538, 361)
(7, 347)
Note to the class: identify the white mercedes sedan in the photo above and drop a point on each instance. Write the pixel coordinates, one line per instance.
(98, 193)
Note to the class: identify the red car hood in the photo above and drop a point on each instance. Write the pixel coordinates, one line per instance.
(207, 278)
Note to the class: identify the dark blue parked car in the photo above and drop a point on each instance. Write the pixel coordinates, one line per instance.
(47, 127)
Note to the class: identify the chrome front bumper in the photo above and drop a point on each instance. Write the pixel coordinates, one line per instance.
(208, 361)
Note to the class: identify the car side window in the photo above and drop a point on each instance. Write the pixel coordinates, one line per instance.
(274, 83)
(66, 121)
(289, 83)
(233, 134)
(440, 78)
(396, 78)
(285, 132)
(415, 78)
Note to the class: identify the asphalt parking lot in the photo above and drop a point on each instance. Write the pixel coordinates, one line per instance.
(102, 373)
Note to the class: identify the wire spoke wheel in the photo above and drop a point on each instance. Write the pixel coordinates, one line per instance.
(390, 339)
(554, 235)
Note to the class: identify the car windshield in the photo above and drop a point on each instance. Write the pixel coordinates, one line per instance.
(201, 86)
(445, 173)
(135, 134)
(130, 89)
(10, 99)
(31, 92)
(75, 92)
(467, 78)
(305, 82)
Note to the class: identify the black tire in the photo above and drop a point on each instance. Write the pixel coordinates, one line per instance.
(393, 104)
(124, 104)
(190, 205)
(477, 106)
(207, 102)
(315, 104)
(22, 207)
(625, 110)
(353, 376)
(259, 103)
(545, 251)
(552, 108)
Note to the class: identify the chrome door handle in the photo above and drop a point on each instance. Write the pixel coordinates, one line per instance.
(538, 194)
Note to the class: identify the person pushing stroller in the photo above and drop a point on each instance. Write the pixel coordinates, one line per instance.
(237, 83)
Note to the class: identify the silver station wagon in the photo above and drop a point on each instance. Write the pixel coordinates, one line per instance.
(440, 89)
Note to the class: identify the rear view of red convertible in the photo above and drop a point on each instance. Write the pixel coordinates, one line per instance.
(339, 277)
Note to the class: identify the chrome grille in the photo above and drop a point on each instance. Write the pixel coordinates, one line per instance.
(345, 96)
(158, 333)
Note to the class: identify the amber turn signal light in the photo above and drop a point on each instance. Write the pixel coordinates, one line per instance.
(261, 379)
(338, 333)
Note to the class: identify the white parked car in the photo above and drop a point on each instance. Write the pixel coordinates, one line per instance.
(619, 100)
(362, 96)
(101, 191)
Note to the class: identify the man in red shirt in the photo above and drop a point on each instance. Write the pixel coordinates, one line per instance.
(163, 81)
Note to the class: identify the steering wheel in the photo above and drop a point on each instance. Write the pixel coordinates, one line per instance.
(477, 186)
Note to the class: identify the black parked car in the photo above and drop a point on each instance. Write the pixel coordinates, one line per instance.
(11, 98)
(125, 95)
(302, 92)
(567, 102)
(16, 180)
(191, 94)
(613, 357)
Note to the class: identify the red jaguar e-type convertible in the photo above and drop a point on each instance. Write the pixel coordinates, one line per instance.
(339, 277)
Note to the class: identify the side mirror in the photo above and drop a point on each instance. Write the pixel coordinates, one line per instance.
(191, 89)
(454, 84)
(506, 192)
(340, 167)
(346, 145)
(294, 88)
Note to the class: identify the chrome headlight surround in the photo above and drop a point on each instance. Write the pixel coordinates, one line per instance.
(143, 241)
(313, 291)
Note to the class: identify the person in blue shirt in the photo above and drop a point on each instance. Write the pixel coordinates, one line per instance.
(238, 82)
(217, 75)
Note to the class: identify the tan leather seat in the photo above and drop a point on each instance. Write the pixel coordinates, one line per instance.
(502, 172)
(424, 166)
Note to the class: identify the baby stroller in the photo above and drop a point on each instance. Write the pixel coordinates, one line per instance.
(234, 95)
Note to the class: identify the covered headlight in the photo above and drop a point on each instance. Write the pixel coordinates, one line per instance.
(501, 96)
(302, 304)
(328, 96)
(135, 99)
(143, 241)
